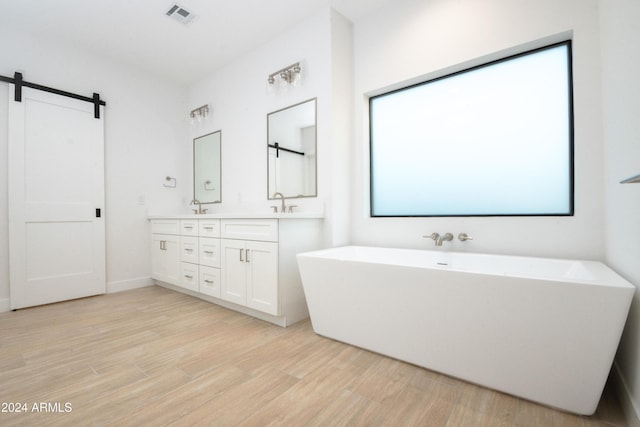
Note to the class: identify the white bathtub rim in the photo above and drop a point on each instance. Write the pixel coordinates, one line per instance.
(612, 279)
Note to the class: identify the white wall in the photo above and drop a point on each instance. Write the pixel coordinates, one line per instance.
(238, 96)
(411, 38)
(342, 128)
(145, 140)
(620, 34)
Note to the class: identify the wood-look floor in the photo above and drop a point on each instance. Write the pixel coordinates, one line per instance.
(153, 357)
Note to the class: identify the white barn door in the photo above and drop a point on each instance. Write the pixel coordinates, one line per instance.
(56, 187)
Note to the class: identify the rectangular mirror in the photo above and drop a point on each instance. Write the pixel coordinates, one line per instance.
(291, 147)
(206, 168)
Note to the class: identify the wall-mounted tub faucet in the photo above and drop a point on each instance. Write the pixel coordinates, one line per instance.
(447, 237)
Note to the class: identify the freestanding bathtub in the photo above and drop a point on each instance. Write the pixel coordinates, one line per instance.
(542, 329)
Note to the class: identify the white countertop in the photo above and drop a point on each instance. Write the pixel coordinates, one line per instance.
(243, 215)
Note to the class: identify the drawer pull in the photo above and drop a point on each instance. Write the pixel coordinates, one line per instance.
(241, 253)
(208, 228)
(188, 227)
(209, 282)
(208, 252)
(188, 276)
(188, 250)
(248, 255)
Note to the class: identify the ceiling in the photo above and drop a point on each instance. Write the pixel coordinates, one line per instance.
(138, 32)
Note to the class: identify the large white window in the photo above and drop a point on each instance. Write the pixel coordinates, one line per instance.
(493, 140)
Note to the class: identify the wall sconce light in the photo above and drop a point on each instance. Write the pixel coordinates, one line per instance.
(199, 114)
(289, 76)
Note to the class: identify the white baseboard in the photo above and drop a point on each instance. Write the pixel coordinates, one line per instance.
(631, 411)
(5, 305)
(126, 285)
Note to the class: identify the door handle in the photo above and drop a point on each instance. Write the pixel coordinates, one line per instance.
(241, 253)
(247, 256)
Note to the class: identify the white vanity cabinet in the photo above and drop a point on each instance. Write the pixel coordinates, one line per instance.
(245, 264)
(250, 263)
(250, 274)
(165, 251)
(177, 252)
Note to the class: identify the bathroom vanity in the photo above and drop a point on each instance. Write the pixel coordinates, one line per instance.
(243, 262)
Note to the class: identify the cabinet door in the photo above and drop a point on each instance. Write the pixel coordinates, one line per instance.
(233, 270)
(262, 276)
(210, 281)
(165, 258)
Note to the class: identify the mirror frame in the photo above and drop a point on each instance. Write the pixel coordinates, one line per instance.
(315, 119)
(219, 166)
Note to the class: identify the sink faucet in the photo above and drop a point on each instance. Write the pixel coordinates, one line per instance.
(199, 210)
(447, 237)
(283, 208)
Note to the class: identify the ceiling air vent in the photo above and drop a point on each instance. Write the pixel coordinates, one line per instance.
(179, 13)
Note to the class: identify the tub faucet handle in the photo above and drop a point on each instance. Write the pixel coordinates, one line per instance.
(433, 236)
(464, 237)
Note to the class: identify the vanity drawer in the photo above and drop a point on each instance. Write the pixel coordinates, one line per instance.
(265, 230)
(209, 227)
(165, 226)
(189, 249)
(210, 281)
(189, 277)
(189, 227)
(209, 249)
